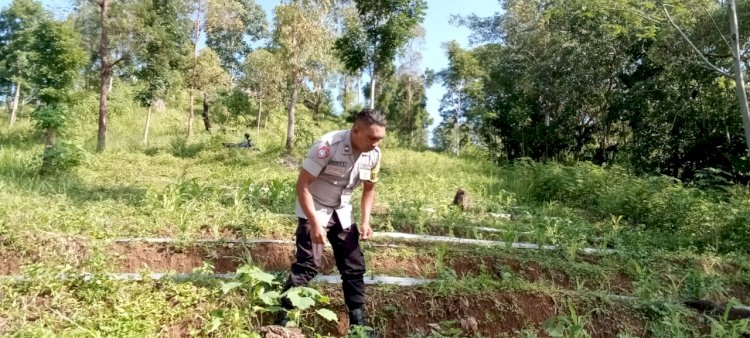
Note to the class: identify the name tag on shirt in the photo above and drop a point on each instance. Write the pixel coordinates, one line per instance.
(334, 170)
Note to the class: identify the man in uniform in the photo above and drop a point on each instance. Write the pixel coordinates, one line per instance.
(336, 164)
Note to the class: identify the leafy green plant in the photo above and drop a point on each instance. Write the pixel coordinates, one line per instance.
(647, 287)
(723, 327)
(261, 296)
(670, 321)
(62, 157)
(181, 148)
(276, 195)
(571, 325)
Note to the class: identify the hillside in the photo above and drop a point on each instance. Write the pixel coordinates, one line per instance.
(620, 253)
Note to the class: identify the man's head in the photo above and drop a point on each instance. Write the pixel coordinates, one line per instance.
(368, 130)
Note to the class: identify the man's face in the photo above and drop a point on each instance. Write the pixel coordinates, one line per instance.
(366, 138)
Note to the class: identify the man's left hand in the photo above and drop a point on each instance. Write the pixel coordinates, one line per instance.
(366, 231)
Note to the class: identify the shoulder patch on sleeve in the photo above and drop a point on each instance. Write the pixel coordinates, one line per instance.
(323, 152)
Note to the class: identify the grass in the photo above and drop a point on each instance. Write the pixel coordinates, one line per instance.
(675, 241)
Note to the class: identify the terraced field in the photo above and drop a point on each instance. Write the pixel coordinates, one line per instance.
(152, 242)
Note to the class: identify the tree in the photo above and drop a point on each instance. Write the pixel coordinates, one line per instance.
(384, 27)
(231, 42)
(17, 26)
(225, 24)
(610, 82)
(403, 100)
(303, 37)
(402, 97)
(208, 76)
(57, 59)
(120, 30)
(737, 56)
(160, 53)
(264, 79)
(462, 75)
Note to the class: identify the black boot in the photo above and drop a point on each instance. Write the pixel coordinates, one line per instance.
(358, 326)
(281, 318)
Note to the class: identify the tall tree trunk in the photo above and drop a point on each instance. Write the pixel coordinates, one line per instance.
(206, 121)
(106, 77)
(191, 117)
(50, 139)
(410, 112)
(359, 88)
(260, 109)
(265, 122)
(372, 82)
(738, 72)
(290, 116)
(191, 87)
(458, 124)
(14, 108)
(372, 89)
(148, 124)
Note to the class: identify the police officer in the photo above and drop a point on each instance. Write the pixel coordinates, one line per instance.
(336, 164)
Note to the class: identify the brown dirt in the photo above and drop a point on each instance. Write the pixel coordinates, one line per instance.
(622, 284)
(531, 271)
(741, 292)
(417, 261)
(397, 313)
(10, 262)
(224, 258)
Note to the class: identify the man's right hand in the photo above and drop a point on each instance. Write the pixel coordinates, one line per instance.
(317, 234)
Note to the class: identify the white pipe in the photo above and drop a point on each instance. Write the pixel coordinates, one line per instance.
(166, 240)
(395, 235)
(483, 242)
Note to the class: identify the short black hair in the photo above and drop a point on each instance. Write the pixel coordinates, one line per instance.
(370, 116)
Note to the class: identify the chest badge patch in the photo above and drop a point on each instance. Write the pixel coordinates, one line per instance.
(324, 152)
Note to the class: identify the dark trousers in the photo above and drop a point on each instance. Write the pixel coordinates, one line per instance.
(350, 260)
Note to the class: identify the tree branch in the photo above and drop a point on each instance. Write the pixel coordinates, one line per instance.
(684, 36)
(717, 27)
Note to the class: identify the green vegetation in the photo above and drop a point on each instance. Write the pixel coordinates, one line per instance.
(199, 189)
(590, 134)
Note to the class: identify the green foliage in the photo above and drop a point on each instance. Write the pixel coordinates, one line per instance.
(62, 157)
(383, 28)
(260, 292)
(182, 148)
(51, 116)
(571, 325)
(608, 82)
(232, 42)
(57, 59)
(208, 74)
(656, 203)
(725, 328)
(277, 195)
(161, 48)
(670, 320)
(18, 24)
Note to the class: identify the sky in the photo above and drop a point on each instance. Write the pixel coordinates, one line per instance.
(436, 24)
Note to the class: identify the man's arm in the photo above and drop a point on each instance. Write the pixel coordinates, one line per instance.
(317, 233)
(368, 199)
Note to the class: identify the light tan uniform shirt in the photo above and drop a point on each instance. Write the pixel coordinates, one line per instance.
(338, 170)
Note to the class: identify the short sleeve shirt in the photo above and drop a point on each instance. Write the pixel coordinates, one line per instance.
(338, 170)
